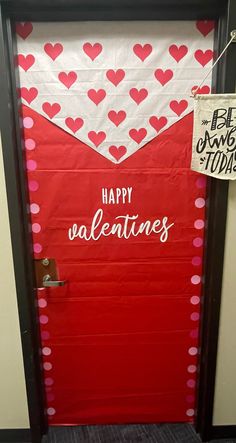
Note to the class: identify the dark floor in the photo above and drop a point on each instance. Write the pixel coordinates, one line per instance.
(164, 433)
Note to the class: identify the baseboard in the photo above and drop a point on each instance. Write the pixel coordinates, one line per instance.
(15, 435)
(223, 431)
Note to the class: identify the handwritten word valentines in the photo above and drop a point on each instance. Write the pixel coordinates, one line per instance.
(214, 140)
(124, 226)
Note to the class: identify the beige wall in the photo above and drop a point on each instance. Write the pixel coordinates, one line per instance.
(225, 392)
(13, 403)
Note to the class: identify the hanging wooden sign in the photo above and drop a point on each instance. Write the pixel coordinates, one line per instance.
(214, 136)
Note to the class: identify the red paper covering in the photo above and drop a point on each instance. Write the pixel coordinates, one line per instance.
(120, 339)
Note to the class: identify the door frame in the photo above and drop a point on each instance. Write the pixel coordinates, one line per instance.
(224, 11)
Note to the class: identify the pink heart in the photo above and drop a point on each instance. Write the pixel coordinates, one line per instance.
(117, 151)
(96, 137)
(96, 96)
(28, 94)
(74, 124)
(24, 29)
(53, 51)
(205, 26)
(203, 90)
(157, 123)
(178, 107)
(115, 77)
(138, 95)
(138, 134)
(51, 109)
(92, 51)
(25, 61)
(117, 117)
(163, 76)
(178, 52)
(67, 79)
(142, 52)
(203, 57)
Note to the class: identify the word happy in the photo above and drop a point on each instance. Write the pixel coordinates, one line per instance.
(124, 226)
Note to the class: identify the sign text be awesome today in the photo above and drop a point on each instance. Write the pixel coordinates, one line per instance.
(214, 136)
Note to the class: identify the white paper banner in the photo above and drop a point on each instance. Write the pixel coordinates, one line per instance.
(214, 136)
(113, 85)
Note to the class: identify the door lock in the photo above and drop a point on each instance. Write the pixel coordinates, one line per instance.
(47, 274)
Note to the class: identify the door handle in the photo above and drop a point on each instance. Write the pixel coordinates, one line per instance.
(49, 283)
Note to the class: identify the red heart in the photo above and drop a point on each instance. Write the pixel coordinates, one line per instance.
(142, 52)
(138, 95)
(117, 117)
(203, 57)
(53, 51)
(178, 107)
(74, 124)
(163, 76)
(51, 109)
(178, 52)
(115, 77)
(117, 151)
(92, 50)
(28, 94)
(96, 96)
(67, 79)
(205, 26)
(96, 137)
(138, 134)
(25, 61)
(203, 90)
(157, 123)
(24, 29)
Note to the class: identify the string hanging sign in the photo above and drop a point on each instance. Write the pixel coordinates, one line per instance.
(214, 132)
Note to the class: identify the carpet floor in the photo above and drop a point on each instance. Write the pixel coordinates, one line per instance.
(163, 433)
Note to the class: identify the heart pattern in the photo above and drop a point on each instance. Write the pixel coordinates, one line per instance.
(53, 50)
(92, 51)
(115, 86)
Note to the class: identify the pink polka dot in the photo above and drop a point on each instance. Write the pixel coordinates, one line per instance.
(196, 261)
(30, 144)
(194, 333)
(31, 165)
(46, 351)
(51, 411)
(47, 366)
(192, 350)
(42, 303)
(190, 412)
(200, 203)
(197, 242)
(28, 122)
(199, 224)
(37, 248)
(195, 316)
(190, 398)
(34, 208)
(45, 335)
(191, 383)
(195, 279)
(201, 182)
(50, 397)
(195, 300)
(48, 381)
(192, 369)
(33, 185)
(43, 319)
(36, 228)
